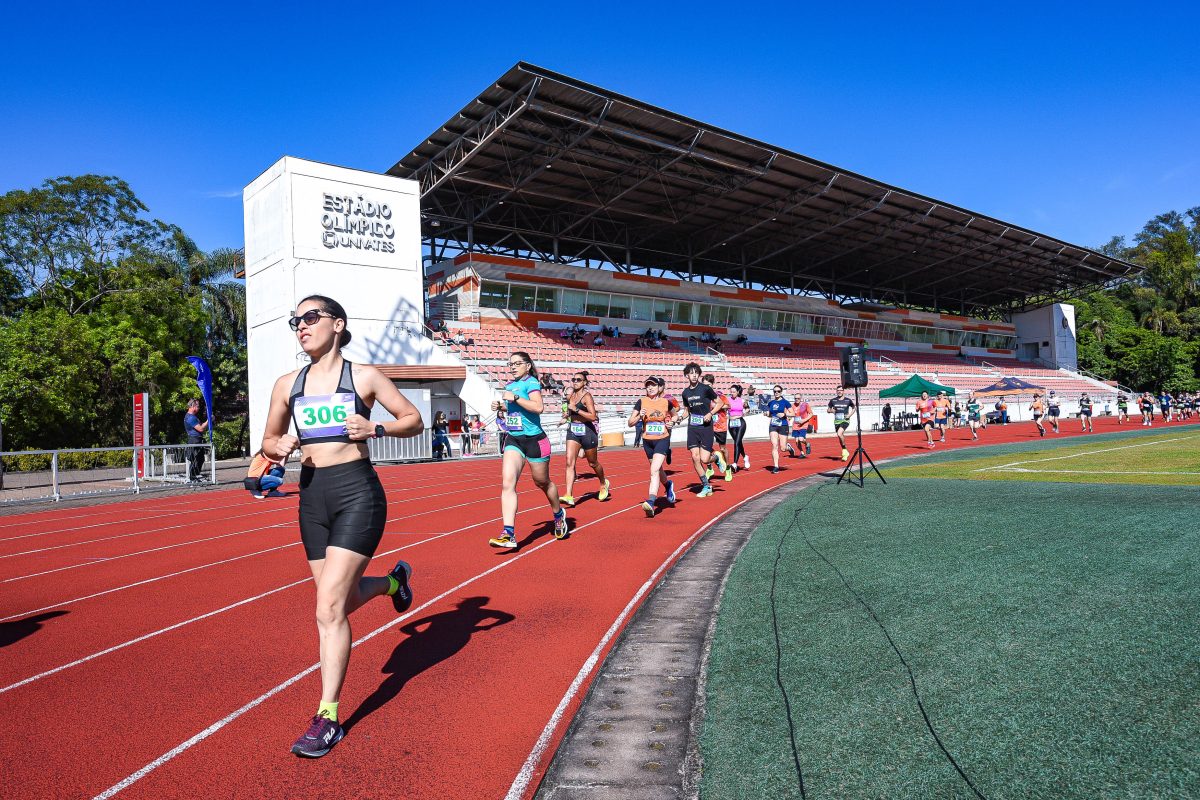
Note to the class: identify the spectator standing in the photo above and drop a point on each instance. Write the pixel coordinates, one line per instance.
(195, 430)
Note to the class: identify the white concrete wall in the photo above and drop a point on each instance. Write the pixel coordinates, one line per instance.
(1052, 329)
(318, 229)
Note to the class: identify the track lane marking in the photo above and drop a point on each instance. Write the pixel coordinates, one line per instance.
(224, 721)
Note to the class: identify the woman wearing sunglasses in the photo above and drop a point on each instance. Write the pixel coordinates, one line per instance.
(342, 504)
(519, 415)
(581, 418)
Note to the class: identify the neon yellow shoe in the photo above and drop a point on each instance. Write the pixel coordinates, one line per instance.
(603, 491)
(845, 454)
(728, 472)
(567, 500)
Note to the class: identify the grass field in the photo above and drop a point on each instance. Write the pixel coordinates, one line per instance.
(1167, 457)
(1050, 628)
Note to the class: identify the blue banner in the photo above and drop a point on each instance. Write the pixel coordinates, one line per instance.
(204, 382)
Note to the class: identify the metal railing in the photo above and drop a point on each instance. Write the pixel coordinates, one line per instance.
(392, 449)
(990, 367)
(41, 475)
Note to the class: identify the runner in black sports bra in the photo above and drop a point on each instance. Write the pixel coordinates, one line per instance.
(342, 503)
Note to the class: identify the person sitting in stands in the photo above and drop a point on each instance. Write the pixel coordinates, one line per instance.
(459, 339)
(742, 338)
(657, 344)
(616, 332)
(598, 341)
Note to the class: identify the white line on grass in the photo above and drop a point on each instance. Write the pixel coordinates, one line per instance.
(1090, 472)
(267, 695)
(1085, 453)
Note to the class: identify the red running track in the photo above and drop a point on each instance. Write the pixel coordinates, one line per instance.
(166, 648)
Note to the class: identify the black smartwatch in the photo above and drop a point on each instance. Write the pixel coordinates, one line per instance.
(380, 432)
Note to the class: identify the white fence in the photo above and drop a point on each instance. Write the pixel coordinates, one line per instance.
(40, 475)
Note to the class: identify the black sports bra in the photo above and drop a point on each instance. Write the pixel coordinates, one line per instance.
(322, 418)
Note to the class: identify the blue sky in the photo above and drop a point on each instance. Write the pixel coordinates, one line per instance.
(1079, 120)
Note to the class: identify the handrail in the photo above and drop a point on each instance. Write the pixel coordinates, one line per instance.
(990, 367)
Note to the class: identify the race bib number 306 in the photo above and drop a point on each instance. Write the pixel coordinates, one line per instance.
(323, 415)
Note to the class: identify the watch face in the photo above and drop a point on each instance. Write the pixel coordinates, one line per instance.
(380, 432)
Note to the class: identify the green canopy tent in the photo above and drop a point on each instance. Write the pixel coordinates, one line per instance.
(912, 387)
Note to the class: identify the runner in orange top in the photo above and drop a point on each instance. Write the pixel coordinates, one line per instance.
(941, 414)
(1037, 408)
(925, 413)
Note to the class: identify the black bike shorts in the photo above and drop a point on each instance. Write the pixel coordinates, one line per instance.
(341, 506)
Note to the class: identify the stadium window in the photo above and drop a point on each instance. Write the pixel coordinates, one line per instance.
(570, 301)
(521, 298)
(833, 326)
(642, 308)
(662, 310)
(546, 299)
(597, 304)
(683, 312)
(493, 295)
(769, 320)
(702, 313)
(618, 306)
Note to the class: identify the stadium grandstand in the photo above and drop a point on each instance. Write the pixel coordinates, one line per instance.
(550, 205)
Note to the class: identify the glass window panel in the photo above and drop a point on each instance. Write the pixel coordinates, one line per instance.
(702, 314)
(641, 308)
(597, 304)
(493, 295)
(683, 312)
(546, 299)
(619, 306)
(521, 298)
(571, 301)
(769, 320)
(662, 310)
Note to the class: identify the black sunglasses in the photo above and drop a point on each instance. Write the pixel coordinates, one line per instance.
(309, 318)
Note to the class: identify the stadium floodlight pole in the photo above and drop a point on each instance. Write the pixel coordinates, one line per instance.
(859, 453)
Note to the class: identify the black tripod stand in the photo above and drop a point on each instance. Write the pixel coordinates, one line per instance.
(859, 454)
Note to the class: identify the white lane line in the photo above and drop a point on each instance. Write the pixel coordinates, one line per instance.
(262, 698)
(93, 560)
(150, 635)
(1085, 453)
(524, 775)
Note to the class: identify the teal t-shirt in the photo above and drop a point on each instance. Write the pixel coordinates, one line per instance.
(521, 421)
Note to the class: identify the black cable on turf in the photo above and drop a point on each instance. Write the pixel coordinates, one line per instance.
(912, 680)
(787, 703)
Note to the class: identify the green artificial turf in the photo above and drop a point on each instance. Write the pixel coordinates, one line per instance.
(1051, 628)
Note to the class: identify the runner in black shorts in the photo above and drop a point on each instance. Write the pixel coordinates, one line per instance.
(842, 408)
(720, 432)
(581, 419)
(700, 403)
(1053, 409)
(342, 504)
(656, 415)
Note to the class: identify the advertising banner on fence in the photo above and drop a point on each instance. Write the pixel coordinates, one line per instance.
(141, 430)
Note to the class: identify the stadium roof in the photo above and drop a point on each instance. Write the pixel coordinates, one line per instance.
(546, 166)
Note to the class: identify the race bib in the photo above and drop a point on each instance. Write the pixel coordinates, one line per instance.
(735, 422)
(323, 415)
(578, 429)
(696, 419)
(514, 423)
(839, 416)
(655, 428)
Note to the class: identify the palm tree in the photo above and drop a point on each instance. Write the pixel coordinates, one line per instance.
(1098, 327)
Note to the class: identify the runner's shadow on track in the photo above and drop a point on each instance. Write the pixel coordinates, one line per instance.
(541, 531)
(18, 629)
(428, 642)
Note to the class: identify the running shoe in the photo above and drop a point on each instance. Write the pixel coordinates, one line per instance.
(1041, 431)
(319, 739)
(845, 454)
(745, 462)
(648, 508)
(931, 445)
(791, 452)
(721, 465)
(671, 492)
(567, 500)
(561, 528)
(705, 491)
(708, 473)
(403, 598)
(505, 540)
(728, 472)
(603, 491)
